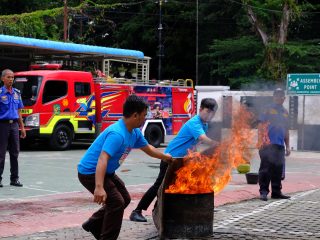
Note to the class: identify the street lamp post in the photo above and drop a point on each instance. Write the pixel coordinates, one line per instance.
(197, 42)
(65, 21)
(161, 47)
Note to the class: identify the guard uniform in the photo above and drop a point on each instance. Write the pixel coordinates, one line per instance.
(10, 103)
(273, 155)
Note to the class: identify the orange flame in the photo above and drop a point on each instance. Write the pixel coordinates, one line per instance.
(263, 136)
(211, 173)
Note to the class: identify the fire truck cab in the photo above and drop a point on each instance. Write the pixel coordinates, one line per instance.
(53, 107)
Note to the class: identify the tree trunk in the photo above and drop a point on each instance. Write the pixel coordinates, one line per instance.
(257, 25)
(283, 29)
(273, 64)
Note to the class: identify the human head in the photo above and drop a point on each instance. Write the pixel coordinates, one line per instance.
(208, 108)
(136, 108)
(279, 96)
(7, 77)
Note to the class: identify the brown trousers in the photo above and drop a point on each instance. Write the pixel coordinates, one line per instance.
(107, 220)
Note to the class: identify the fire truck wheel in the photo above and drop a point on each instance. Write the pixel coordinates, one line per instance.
(154, 135)
(61, 137)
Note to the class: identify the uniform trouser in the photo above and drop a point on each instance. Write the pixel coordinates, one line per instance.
(271, 168)
(107, 220)
(9, 140)
(148, 197)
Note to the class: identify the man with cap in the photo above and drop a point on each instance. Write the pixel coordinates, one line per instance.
(10, 119)
(192, 132)
(274, 123)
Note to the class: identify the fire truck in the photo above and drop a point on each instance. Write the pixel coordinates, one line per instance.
(62, 106)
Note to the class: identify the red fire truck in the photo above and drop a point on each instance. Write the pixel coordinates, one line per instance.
(63, 106)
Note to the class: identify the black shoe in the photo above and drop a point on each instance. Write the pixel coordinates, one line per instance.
(263, 197)
(16, 183)
(136, 216)
(1, 184)
(88, 226)
(280, 196)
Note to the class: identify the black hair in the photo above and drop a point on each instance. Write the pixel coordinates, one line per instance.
(134, 104)
(209, 103)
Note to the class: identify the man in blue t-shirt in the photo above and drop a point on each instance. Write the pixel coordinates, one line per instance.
(192, 132)
(96, 169)
(275, 121)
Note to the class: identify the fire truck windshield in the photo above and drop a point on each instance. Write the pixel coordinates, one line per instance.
(29, 88)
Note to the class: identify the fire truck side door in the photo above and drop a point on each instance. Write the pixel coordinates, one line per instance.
(84, 105)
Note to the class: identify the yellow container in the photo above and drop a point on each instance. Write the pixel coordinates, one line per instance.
(243, 168)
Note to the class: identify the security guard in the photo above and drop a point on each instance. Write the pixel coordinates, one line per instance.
(10, 119)
(275, 121)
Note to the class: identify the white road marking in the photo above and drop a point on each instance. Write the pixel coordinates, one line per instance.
(279, 232)
(40, 189)
(239, 217)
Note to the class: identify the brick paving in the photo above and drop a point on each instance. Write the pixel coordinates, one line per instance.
(239, 214)
(297, 218)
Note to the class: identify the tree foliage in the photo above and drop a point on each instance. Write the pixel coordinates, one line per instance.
(239, 41)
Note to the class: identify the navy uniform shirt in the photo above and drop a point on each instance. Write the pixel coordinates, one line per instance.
(277, 118)
(10, 103)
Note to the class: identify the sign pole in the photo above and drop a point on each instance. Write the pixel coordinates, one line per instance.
(302, 128)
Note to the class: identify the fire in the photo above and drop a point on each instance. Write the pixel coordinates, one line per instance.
(211, 172)
(263, 137)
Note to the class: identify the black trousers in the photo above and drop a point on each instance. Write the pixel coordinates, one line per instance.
(107, 220)
(271, 168)
(148, 197)
(9, 140)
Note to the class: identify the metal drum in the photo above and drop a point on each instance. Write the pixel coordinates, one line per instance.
(188, 215)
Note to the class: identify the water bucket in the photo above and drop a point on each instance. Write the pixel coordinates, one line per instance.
(252, 178)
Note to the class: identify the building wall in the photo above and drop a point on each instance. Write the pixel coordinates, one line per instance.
(304, 117)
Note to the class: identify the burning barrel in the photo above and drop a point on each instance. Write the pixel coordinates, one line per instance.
(188, 215)
(179, 215)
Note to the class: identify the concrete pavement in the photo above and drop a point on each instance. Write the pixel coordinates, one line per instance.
(59, 216)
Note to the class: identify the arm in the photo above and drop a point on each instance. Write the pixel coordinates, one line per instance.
(100, 194)
(260, 135)
(23, 131)
(153, 152)
(287, 142)
(203, 138)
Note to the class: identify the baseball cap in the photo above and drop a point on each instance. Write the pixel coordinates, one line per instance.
(279, 92)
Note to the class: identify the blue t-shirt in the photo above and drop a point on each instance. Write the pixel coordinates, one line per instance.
(117, 142)
(187, 137)
(277, 118)
(10, 103)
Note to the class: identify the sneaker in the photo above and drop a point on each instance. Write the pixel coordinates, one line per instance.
(88, 226)
(136, 216)
(279, 196)
(16, 183)
(263, 197)
(1, 184)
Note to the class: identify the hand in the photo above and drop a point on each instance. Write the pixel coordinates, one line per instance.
(215, 143)
(23, 133)
(169, 158)
(288, 151)
(100, 195)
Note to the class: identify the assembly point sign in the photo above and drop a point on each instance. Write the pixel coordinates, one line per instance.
(303, 83)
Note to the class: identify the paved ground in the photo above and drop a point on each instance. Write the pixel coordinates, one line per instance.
(52, 204)
(297, 218)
